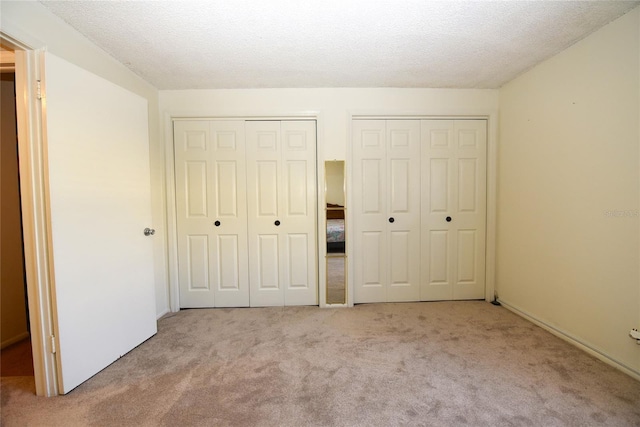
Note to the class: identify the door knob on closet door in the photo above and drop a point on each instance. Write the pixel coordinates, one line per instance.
(277, 223)
(217, 223)
(391, 220)
(448, 219)
(149, 231)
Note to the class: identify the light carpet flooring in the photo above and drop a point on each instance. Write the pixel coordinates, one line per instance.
(417, 364)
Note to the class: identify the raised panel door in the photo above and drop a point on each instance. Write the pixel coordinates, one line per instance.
(211, 213)
(453, 209)
(370, 210)
(403, 222)
(386, 165)
(282, 212)
(298, 220)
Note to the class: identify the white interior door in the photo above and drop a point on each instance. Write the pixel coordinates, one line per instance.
(453, 209)
(211, 213)
(99, 204)
(370, 210)
(282, 213)
(386, 169)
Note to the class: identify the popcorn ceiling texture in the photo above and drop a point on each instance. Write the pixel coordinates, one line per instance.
(334, 43)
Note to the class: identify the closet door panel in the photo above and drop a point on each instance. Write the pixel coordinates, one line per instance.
(299, 209)
(266, 189)
(453, 205)
(387, 210)
(264, 201)
(403, 223)
(194, 198)
(370, 210)
(197, 261)
(438, 172)
(438, 182)
(470, 215)
(212, 223)
(298, 270)
(281, 193)
(196, 189)
(228, 259)
(229, 223)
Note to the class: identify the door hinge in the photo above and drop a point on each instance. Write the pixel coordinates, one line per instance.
(52, 344)
(38, 89)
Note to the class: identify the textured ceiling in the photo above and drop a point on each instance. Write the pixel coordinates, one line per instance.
(334, 43)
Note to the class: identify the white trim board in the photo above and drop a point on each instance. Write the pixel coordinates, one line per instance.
(571, 339)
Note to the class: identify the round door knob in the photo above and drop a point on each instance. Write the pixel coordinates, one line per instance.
(277, 223)
(448, 219)
(391, 219)
(217, 223)
(149, 231)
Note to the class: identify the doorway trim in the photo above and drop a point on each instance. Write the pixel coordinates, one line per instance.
(29, 69)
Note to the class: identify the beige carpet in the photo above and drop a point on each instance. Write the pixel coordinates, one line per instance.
(440, 364)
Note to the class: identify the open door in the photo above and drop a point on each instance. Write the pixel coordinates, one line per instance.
(97, 150)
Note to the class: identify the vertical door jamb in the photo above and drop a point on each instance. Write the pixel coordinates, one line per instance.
(31, 110)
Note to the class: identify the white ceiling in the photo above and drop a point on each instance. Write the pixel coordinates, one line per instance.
(334, 43)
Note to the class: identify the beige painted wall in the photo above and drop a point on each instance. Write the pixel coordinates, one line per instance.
(13, 314)
(333, 105)
(568, 191)
(33, 24)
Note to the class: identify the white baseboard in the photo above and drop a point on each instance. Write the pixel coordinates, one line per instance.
(163, 313)
(599, 354)
(14, 340)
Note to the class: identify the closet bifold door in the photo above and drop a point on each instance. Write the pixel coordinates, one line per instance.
(386, 195)
(281, 194)
(210, 171)
(454, 175)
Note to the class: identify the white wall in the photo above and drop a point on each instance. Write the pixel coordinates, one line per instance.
(568, 191)
(31, 23)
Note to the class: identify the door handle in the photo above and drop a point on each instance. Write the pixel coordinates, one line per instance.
(149, 231)
(277, 223)
(448, 219)
(391, 220)
(217, 223)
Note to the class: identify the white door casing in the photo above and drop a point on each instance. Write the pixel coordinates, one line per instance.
(97, 149)
(211, 213)
(386, 182)
(453, 209)
(281, 186)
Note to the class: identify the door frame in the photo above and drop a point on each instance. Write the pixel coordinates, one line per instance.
(170, 186)
(31, 113)
(491, 116)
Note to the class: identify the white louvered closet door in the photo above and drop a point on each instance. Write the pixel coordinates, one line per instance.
(386, 195)
(210, 170)
(281, 158)
(453, 209)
